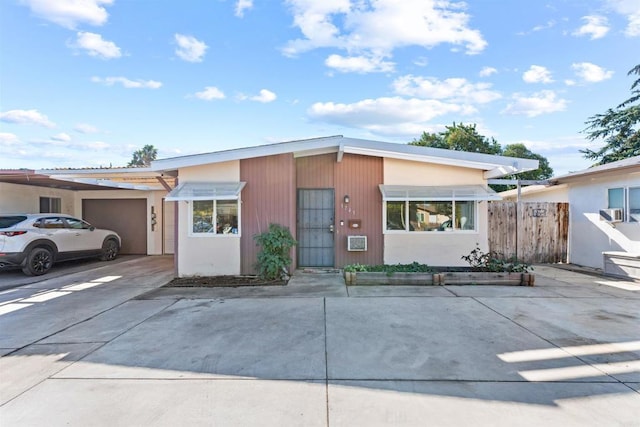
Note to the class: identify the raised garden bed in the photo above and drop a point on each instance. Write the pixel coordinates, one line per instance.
(438, 279)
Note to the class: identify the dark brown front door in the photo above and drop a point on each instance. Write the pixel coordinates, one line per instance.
(315, 228)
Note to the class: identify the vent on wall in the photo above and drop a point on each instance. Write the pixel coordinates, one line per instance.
(611, 215)
(356, 243)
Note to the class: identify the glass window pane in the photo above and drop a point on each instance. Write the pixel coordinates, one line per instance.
(616, 198)
(436, 215)
(634, 204)
(227, 217)
(203, 216)
(395, 216)
(465, 215)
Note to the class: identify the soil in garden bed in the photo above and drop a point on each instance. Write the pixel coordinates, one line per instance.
(221, 282)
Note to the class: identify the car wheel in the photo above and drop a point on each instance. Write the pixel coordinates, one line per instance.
(109, 250)
(38, 262)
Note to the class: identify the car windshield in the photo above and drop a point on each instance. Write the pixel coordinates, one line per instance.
(10, 221)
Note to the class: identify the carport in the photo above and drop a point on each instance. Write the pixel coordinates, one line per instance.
(126, 200)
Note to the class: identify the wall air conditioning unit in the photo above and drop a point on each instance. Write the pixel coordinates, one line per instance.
(611, 215)
(357, 243)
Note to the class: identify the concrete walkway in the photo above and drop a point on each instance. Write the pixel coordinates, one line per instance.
(123, 351)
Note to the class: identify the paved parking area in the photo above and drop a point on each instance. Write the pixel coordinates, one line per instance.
(110, 347)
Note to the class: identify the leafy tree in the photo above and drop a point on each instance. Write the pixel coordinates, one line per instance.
(463, 137)
(144, 156)
(460, 137)
(519, 150)
(619, 127)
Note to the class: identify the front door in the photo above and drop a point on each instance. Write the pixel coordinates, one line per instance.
(315, 227)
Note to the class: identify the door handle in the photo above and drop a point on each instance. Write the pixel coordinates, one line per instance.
(331, 228)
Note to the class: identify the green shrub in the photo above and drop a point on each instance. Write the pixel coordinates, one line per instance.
(274, 257)
(493, 262)
(414, 267)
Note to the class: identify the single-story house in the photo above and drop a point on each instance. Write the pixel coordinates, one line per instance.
(604, 214)
(345, 201)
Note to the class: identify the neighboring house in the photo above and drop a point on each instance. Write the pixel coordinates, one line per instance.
(410, 203)
(611, 186)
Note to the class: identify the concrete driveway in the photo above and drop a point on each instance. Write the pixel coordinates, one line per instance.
(110, 348)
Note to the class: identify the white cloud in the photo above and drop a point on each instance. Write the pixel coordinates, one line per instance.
(209, 93)
(86, 128)
(95, 45)
(24, 117)
(453, 89)
(63, 137)
(7, 138)
(358, 64)
(487, 71)
(265, 96)
(595, 26)
(189, 48)
(543, 102)
(630, 10)
(537, 74)
(125, 82)
(70, 13)
(375, 29)
(386, 113)
(591, 73)
(241, 6)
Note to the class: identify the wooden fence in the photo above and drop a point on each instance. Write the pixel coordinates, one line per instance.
(535, 232)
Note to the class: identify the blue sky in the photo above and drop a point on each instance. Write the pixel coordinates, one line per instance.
(84, 83)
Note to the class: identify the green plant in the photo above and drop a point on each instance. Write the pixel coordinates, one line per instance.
(493, 262)
(414, 267)
(274, 256)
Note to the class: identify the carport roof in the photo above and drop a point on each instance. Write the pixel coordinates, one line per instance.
(89, 179)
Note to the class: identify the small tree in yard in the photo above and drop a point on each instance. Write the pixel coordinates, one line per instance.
(274, 258)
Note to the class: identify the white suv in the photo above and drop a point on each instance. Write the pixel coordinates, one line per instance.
(35, 241)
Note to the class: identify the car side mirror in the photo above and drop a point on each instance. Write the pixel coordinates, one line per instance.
(92, 228)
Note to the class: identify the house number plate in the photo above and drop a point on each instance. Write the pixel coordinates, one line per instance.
(539, 213)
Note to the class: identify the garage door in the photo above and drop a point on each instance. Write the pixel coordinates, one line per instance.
(127, 217)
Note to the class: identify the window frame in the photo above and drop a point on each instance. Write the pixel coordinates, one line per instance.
(192, 233)
(626, 202)
(54, 204)
(407, 230)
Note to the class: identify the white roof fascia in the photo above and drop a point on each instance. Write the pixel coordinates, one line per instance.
(630, 165)
(495, 166)
(107, 183)
(296, 147)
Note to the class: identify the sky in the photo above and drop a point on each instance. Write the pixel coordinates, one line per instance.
(85, 83)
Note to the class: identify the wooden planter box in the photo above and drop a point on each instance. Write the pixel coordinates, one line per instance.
(430, 279)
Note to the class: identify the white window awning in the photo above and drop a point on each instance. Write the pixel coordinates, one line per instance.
(437, 193)
(206, 191)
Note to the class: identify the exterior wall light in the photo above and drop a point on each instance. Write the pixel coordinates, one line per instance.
(346, 199)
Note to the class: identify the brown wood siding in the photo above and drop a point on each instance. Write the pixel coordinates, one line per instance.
(315, 171)
(358, 177)
(127, 217)
(268, 197)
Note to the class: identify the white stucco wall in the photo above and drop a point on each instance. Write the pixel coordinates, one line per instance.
(17, 198)
(588, 236)
(207, 255)
(437, 248)
(553, 194)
